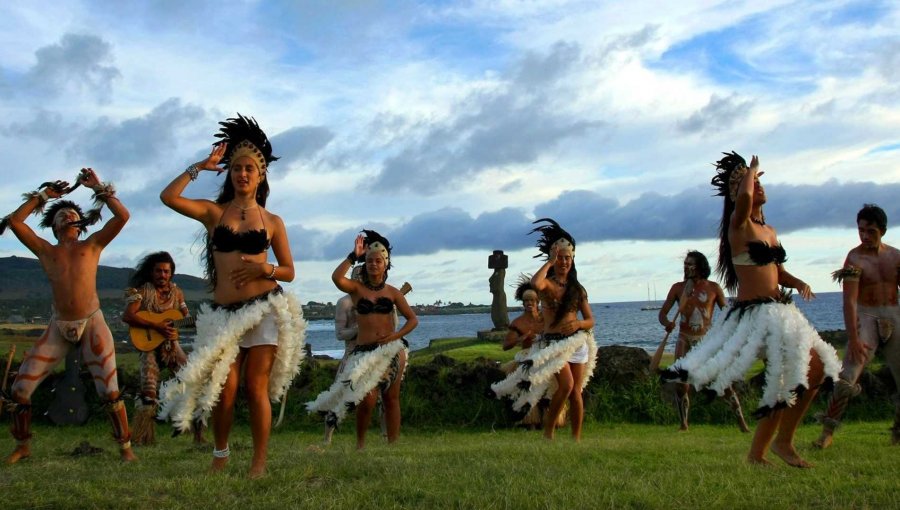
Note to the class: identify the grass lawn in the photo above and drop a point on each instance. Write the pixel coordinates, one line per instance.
(615, 466)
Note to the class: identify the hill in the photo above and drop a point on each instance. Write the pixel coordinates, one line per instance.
(23, 278)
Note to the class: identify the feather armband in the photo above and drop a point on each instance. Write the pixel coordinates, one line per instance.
(849, 273)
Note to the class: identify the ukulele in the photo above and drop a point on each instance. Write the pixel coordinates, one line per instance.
(147, 339)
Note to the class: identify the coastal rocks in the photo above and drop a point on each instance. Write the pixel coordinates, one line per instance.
(622, 366)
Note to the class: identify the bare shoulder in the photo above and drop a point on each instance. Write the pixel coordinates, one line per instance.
(892, 253)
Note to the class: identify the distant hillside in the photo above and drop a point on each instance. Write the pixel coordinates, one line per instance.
(23, 278)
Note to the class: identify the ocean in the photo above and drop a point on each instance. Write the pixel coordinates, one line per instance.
(615, 324)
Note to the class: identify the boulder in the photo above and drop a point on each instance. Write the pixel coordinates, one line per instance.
(622, 366)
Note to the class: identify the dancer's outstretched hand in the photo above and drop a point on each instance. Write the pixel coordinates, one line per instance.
(212, 161)
(359, 246)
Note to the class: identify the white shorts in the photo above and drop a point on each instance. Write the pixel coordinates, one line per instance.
(580, 356)
(264, 333)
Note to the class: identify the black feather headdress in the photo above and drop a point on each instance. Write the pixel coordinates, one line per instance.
(523, 285)
(241, 129)
(725, 168)
(550, 235)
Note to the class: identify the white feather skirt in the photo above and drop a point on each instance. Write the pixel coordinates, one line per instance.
(535, 377)
(196, 387)
(362, 372)
(779, 332)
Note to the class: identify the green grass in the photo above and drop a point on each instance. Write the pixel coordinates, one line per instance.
(615, 466)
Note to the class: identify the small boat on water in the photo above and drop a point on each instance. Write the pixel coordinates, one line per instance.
(651, 305)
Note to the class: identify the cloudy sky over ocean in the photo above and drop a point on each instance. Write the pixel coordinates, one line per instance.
(450, 126)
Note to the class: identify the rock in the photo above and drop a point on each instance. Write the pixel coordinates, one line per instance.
(622, 366)
(492, 335)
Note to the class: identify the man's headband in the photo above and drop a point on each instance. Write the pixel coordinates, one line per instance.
(246, 148)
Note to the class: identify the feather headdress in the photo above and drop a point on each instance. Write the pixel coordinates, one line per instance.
(245, 138)
(523, 285)
(552, 236)
(730, 171)
(375, 242)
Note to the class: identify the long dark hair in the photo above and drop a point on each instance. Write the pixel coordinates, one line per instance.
(722, 183)
(232, 132)
(143, 272)
(703, 269)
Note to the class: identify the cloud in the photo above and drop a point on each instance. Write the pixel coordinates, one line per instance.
(512, 124)
(301, 142)
(82, 62)
(589, 216)
(135, 142)
(45, 125)
(719, 114)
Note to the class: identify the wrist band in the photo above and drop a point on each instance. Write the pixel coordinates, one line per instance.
(352, 257)
(272, 274)
(193, 172)
(104, 190)
(43, 196)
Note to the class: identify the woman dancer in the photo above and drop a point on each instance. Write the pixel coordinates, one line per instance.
(525, 331)
(252, 323)
(568, 352)
(763, 320)
(378, 361)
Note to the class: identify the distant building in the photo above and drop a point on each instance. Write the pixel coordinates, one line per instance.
(15, 319)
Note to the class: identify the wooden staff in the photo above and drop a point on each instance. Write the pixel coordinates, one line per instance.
(657, 356)
(9, 360)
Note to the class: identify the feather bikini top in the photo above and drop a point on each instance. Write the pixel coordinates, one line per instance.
(381, 305)
(759, 253)
(251, 242)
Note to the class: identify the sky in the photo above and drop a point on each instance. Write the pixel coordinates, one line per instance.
(450, 126)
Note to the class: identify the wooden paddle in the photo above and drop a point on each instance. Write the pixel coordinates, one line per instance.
(657, 356)
(9, 360)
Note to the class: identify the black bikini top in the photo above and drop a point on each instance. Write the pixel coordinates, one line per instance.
(759, 253)
(251, 242)
(381, 305)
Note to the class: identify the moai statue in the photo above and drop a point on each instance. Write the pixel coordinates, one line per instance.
(498, 262)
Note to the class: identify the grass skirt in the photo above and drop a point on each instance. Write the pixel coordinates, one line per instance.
(535, 377)
(194, 391)
(776, 331)
(362, 372)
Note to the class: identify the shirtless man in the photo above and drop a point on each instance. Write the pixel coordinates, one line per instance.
(71, 267)
(871, 317)
(696, 297)
(152, 290)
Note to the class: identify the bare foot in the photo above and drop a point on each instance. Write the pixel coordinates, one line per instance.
(743, 426)
(22, 451)
(760, 461)
(790, 456)
(218, 464)
(895, 436)
(257, 471)
(127, 455)
(824, 441)
(683, 428)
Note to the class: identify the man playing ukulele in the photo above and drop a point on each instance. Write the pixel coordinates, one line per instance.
(152, 290)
